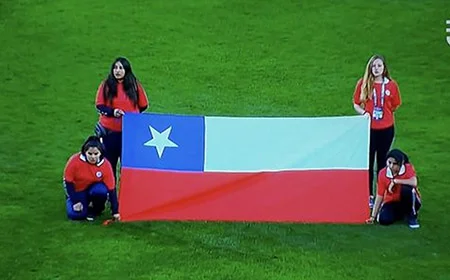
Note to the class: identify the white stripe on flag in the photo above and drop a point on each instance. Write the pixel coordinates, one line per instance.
(278, 144)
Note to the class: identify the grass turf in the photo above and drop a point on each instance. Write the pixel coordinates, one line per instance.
(215, 57)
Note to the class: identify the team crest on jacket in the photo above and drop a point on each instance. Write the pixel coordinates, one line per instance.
(388, 92)
(98, 174)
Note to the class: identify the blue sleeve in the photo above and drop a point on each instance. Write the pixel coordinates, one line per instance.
(105, 110)
(114, 202)
(69, 187)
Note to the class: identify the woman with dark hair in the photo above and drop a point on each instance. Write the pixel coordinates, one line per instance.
(118, 94)
(377, 96)
(88, 182)
(398, 195)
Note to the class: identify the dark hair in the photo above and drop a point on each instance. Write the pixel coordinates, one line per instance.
(398, 155)
(130, 83)
(93, 142)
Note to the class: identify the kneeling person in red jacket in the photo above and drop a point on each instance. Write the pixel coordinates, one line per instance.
(89, 182)
(397, 192)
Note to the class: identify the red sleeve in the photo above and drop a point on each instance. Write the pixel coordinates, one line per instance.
(99, 99)
(108, 178)
(143, 101)
(70, 169)
(396, 98)
(383, 183)
(410, 171)
(357, 93)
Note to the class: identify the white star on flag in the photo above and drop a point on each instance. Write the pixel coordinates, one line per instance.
(160, 140)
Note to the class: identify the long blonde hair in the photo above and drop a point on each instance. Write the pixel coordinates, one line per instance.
(369, 79)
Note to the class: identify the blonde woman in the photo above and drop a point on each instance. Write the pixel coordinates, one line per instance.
(377, 95)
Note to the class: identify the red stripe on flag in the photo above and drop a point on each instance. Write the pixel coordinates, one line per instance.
(322, 196)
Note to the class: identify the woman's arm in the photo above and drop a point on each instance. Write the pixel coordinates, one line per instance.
(143, 100)
(69, 179)
(114, 202)
(411, 181)
(359, 109)
(69, 188)
(100, 103)
(375, 209)
(396, 97)
(110, 182)
(376, 206)
(105, 110)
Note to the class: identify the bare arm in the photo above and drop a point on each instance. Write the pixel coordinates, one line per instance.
(359, 109)
(376, 206)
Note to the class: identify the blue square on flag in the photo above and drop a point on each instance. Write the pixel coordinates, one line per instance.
(164, 142)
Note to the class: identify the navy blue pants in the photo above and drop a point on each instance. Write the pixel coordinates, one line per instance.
(380, 143)
(407, 207)
(113, 148)
(97, 194)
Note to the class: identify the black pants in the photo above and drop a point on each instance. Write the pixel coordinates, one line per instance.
(380, 143)
(113, 145)
(407, 207)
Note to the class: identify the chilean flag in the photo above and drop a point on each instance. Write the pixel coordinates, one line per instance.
(267, 169)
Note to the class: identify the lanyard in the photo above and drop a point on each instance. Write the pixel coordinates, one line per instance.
(383, 88)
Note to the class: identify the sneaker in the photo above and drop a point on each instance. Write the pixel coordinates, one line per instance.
(371, 201)
(413, 223)
(90, 218)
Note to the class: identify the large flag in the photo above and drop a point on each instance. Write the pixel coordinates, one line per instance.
(178, 167)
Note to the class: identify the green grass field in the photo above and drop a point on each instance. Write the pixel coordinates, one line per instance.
(215, 57)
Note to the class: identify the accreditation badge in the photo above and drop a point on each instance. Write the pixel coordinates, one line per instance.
(377, 113)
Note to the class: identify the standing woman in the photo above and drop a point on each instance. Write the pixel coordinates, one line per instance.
(118, 94)
(377, 95)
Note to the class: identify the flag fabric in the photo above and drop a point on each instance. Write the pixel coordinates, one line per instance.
(272, 169)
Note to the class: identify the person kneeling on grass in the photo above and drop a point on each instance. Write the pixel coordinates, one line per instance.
(397, 192)
(88, 182)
